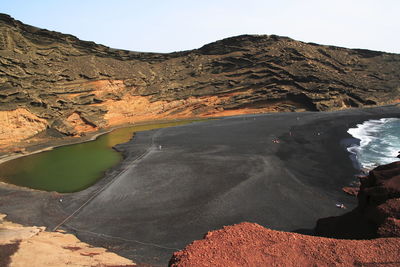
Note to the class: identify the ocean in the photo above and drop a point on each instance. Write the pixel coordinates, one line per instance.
(379, 142)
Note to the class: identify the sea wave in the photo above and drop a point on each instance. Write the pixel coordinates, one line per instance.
(379, 142)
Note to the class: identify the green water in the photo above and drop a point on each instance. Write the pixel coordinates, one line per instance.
(71, 168)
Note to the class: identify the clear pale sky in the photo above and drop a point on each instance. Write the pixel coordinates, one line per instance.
(174, 25)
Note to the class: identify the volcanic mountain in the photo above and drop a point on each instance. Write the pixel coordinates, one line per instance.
(55, 83)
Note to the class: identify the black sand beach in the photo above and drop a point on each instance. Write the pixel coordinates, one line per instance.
(283, 171)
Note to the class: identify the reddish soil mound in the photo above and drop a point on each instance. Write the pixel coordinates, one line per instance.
(249, 244)
(378, 210)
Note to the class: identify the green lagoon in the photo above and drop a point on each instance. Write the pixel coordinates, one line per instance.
(72, 168)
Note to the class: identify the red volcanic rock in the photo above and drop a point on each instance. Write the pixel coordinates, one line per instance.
(381, 184)
(353, 191)
(249, 244)
(389, 227)
(378, 210)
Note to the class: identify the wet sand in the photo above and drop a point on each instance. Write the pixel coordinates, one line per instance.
(175, 184)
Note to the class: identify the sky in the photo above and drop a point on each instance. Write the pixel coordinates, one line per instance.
(176, 25)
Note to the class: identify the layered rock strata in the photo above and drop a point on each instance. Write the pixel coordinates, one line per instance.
(56, 81)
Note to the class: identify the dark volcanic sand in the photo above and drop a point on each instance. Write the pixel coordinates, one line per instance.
(207, 175)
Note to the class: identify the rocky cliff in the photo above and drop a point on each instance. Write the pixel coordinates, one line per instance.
(50, 80)
(378, 210)
(33, 246)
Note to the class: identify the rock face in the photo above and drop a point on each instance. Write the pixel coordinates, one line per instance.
(249, 244)
(32, 246)
(75, 86)
(378, 210)
(19, 124)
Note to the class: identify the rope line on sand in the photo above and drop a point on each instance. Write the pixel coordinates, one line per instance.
(105, 186)
(105, 236)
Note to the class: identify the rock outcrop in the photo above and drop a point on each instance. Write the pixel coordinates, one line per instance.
(378, 210)
(33, 246)
(249, 244)
(19, 124)
(74, 86)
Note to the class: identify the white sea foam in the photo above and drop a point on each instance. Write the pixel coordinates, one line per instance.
(379, 142)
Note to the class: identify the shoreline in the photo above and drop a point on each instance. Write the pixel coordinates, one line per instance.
(289, 158)
(84, 139)
(65, 141)
(366, 135)
(218, 173)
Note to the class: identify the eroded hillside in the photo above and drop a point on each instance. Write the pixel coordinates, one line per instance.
(55, 81)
